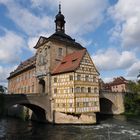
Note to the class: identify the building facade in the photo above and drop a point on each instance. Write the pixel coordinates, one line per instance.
(119, 84)
(61, 69)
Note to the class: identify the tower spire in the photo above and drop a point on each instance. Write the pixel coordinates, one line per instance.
(60, 21)
(60, 7)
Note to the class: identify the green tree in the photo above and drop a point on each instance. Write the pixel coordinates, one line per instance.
(132, 99)
(1, 89)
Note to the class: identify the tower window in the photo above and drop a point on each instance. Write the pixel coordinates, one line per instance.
(60, 52)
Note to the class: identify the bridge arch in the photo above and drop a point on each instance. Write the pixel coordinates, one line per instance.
(38, 110)
(107, 106)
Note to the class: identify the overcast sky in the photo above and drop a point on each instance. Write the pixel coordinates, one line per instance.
(109, 29)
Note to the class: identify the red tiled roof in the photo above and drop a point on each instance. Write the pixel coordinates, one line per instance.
(70, 62)
(118, 81)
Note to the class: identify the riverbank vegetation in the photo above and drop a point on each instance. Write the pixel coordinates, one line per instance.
(132, 99)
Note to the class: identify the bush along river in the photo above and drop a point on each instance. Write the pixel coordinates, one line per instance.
(108, 128)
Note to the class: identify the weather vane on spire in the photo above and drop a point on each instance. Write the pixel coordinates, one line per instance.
(59, 6)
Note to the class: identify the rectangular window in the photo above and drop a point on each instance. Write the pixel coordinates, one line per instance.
(86, 78)
(82, 89)
(71, 77)
(89, 89)
(55, 90)
(60, 52)
(77, 89)
(32, 88)
(55, 80)
(71, 90)
(70, 104)
(79, 77)
(94, 79)
(95, 103)
(78, 104)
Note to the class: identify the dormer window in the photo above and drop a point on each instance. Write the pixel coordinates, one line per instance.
(63, 62)
(74, 60)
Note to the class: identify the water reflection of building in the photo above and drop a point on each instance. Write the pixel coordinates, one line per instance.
(61, 68)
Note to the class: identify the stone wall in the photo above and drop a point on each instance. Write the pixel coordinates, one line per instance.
(62, 118)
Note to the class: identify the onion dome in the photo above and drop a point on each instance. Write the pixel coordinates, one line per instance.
(59, 21)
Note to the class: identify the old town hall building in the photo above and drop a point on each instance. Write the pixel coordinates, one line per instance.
(62, 69)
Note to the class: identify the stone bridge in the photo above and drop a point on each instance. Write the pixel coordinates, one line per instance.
(39, 104)
(111, 102)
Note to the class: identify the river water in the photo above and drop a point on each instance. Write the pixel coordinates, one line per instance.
(113, 128)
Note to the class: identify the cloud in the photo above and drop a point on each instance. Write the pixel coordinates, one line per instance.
(11, 46)
(78, 22)
(31, 43)
(111, 59)
(126, 14)
(30, 23)
(4, 73)
(79, 18)
(134, 70)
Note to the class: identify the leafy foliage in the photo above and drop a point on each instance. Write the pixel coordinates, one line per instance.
(132, 99)
(1, 89)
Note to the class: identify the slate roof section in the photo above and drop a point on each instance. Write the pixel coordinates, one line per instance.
(28, 64)
(59, 36)
(70, 62)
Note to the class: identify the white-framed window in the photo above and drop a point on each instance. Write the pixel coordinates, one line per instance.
(78, 77)
(77, 89)
(86, 78)
(82, 89)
